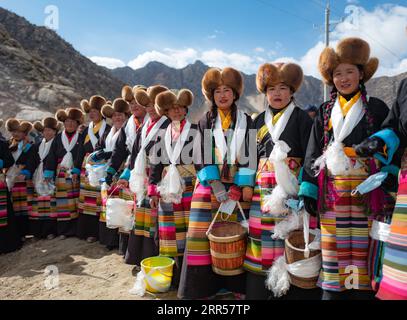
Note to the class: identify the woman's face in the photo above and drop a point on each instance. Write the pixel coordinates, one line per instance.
(177, 113)
(224, 97)
(137, 110)
(150, 109)
(347, 78)
(95, 116)
(279, 96)
(71, 125)
(18, 135)
(49, 134)
(118, 119)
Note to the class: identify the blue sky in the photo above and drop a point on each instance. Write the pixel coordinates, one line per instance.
(242, 33)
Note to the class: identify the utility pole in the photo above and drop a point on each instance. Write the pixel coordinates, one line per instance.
(327, 30)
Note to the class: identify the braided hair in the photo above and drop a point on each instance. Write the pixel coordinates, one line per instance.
(327, 115)
(369, 117)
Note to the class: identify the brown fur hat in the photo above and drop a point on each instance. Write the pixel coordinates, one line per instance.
(95, 102)
(147, 98)
(168, 99)
(119, 105)
(350, 50)
(70, 113)
(128, 92)
(268, 75)
(16, 125)
(49, 122)
(214, 78)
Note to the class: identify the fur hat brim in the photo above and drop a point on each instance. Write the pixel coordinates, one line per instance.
(290, 74)
(215, 78)
(70, 113)
(168, 99)
(95, 102)
(50, 123)
(354, 51)
(119, 105)
(147, 98)
(12, 125)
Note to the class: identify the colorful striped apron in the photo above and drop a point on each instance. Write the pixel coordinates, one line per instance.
(66, 196)
(3, 201)
(394, 282)
(204, 207)
(21, 195)
(90, 198)
(173, 219)
(262, 250)
(346, 221)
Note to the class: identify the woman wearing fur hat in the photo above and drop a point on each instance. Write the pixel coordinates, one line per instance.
(59, 164)
(391, 272)
(283, 129)
(90, 200)
(143, 240)
(10, 240)
(223, 175)
(19, 180)
(118, 113)
(333, 170)
(173, 176)
(42, 214)
(123, 147)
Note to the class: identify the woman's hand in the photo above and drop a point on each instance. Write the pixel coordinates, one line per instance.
(247, 194)
(124, 184)
(154, 202)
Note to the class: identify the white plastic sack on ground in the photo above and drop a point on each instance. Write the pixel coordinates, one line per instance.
(11, 176)
(172, 186)
(96, 173)
(119, 214)
(139, 288)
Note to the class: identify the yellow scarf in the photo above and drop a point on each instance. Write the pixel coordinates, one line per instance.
(96, 129)
(226, 120)
(346, 105)
(278, 116)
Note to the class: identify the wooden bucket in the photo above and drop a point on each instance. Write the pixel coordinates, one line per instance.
(294, 251)
(228, 248)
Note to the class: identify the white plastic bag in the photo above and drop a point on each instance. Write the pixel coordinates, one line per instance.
(11, 176)
(42, 187)
(96, 173)
(119, 214)
(172, 187)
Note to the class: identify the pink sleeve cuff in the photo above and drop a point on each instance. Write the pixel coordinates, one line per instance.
(152, 190)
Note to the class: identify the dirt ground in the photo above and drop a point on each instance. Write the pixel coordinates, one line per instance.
(85, 272)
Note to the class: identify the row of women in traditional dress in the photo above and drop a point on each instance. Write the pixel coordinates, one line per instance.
(353, 138)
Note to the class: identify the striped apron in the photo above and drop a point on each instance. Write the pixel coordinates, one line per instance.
(173, 219)
(90, 198)
(21, 195)
(262, 250)
(204, 207)
(394, 282)
(66, 196)
(3, 201)
(346, 221)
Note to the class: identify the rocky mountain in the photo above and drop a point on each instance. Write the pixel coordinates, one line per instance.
(40, 72)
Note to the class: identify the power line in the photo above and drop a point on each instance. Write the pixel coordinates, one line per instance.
(285, 11)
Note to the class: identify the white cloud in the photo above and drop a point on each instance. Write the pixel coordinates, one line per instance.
(110, 63)
(385, 30)
(170, 57)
